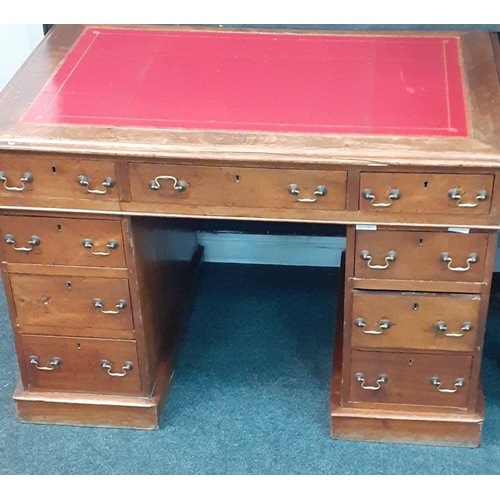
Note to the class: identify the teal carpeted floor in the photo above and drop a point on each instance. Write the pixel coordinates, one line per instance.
(250, 395)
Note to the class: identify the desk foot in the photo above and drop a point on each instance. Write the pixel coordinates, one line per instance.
(450, 429)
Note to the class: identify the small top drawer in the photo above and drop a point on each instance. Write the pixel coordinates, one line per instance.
(238, 187)
(425, 193)
(62, 241)
(420, 255)
(36, 180)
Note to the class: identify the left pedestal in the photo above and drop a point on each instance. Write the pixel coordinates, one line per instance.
(97, 308)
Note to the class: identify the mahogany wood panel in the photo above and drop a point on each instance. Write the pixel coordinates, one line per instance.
(166, 259)
(426, 193)
(80, 367)
(232, 186)
(418, 255)
(408, 378)
(415, 320)
(61, 241)
(55, 182)
(64, 302)
(391, 429)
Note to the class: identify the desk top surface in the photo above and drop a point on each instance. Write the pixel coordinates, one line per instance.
(321, 97)
(395, 85)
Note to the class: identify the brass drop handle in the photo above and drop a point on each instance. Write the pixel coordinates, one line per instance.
(381, 379)
(127, 366)
(33, 242)
(83, 180)
(25, 178)
(51, 364)
(454, 194)
(384, 325)
(394, 194)
(442, 328)
(458, 383)
(120, 305)
(294, 190)
(178, 184)
(88, 244)
(390, 257)
(472, 259)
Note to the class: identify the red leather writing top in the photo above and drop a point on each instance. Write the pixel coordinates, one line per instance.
(397, 85)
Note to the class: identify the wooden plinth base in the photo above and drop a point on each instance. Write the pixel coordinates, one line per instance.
(95, 410)
(450, 429)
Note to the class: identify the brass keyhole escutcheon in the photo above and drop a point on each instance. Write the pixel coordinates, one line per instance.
(415, 306)
(68, 285)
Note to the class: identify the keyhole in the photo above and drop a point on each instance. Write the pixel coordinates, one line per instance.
(410, 362)
(54, 169)
(415, 307)
(78, 346)
(59, 228)
(426, 184)
(420, 241)
(236, 178)
(68, 285)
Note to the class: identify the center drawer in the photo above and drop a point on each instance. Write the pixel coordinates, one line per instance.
(415, 320)
(71, 302)
(238, 187)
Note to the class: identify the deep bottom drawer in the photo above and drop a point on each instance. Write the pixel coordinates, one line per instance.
(410, 379)
(81, 365)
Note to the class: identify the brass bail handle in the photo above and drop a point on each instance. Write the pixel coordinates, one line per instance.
(26, 178)
(89, 244)
(458, 383)
(84, 181)
(384, 325)
(177, 184)
(454, 194)
(390, 257)
(51, 365)
(394, 194)
(119, 306)
(381, 379)
(294, 190)
(127, 366)
(442, 328)
(32, 242)
(472, 259)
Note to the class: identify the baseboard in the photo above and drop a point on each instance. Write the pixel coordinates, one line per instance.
(238, 248)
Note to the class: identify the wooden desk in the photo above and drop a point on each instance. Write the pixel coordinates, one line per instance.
(112, 137)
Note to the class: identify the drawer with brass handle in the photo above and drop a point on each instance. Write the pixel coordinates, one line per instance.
(410, 379)
(431, 321)
(61, 302)
(40, 180)
(421, 255)
(239, 187)
(80, 364)
(425, 193)
(62, 241)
